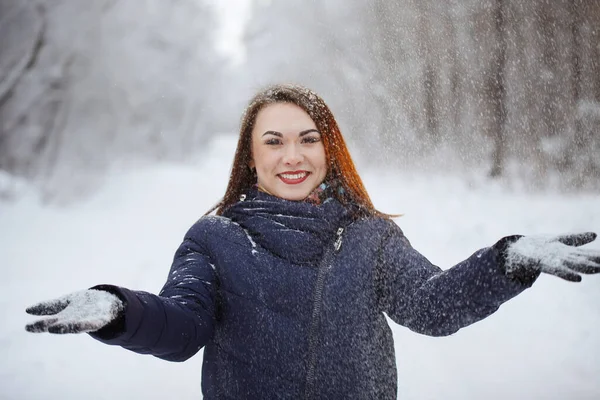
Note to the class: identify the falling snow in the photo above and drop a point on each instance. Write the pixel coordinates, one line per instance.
(543, 341)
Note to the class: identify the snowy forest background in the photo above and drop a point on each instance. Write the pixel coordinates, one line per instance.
(508, 88)
(475, 119)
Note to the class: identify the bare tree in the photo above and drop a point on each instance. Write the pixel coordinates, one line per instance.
(430, 74)
(495, 87)
(110, 81)
(22, 27)
(581, 155)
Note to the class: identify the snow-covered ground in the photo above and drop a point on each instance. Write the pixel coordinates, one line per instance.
(545, 344)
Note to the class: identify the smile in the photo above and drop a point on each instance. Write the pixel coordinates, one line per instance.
(294, 178)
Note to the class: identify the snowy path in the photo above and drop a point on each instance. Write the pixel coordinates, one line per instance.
(544, 344)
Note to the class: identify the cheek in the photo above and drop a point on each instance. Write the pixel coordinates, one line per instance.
(320, 158)
(257, 155)
(263, 158)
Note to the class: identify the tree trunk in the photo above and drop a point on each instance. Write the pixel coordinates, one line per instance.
(497, 90)
(430, 73)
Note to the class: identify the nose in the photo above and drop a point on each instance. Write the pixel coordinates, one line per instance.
(293, 156)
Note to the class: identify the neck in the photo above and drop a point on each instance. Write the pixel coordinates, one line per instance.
(262, 189)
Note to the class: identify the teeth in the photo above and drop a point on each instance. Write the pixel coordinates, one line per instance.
(294, 176)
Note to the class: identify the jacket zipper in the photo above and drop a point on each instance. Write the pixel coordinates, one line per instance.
(312, 338)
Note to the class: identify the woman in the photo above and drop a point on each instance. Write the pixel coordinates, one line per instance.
(287, 285)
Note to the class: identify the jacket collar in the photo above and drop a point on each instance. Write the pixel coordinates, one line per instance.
(296, 231)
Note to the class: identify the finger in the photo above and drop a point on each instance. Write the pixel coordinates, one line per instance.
(577, 239)
(75, 327)
(48, 307)
(583, 267)
(564, 274)
(63, 328)
(591, 255)
(41, 325)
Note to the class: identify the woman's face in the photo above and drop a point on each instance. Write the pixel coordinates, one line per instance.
(287, 151)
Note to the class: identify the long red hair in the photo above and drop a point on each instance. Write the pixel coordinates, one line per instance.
(341, 169)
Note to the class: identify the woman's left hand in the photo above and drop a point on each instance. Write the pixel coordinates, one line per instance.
(560, 255)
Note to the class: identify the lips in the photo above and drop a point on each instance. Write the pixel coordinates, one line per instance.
(294, 177)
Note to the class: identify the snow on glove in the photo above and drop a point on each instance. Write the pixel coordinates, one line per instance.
(556, 255)
(83, 311)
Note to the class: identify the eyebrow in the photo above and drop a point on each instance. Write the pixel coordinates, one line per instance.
(279, 134)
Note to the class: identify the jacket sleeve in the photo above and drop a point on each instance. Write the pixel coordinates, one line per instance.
(179, 321)
(419, 295)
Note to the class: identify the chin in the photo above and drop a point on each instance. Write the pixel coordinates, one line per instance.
(293, 195)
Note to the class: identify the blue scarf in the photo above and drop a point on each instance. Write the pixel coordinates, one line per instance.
(296, 231)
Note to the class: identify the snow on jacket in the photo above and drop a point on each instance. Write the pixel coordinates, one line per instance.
(288, 300)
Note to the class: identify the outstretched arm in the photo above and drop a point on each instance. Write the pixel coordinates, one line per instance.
(419, 295)
(173, 325)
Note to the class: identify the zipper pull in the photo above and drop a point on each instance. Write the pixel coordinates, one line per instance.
(338, 240)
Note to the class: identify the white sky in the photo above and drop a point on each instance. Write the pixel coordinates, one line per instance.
(233, 16)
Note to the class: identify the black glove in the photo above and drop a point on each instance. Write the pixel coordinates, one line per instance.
(83, 311)
(524, 256)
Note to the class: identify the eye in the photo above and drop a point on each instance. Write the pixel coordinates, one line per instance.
(311, 139)
(273, 141)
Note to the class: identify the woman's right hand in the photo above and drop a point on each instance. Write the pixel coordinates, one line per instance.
(83, 311)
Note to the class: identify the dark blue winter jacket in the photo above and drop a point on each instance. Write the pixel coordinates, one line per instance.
(288, 300)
